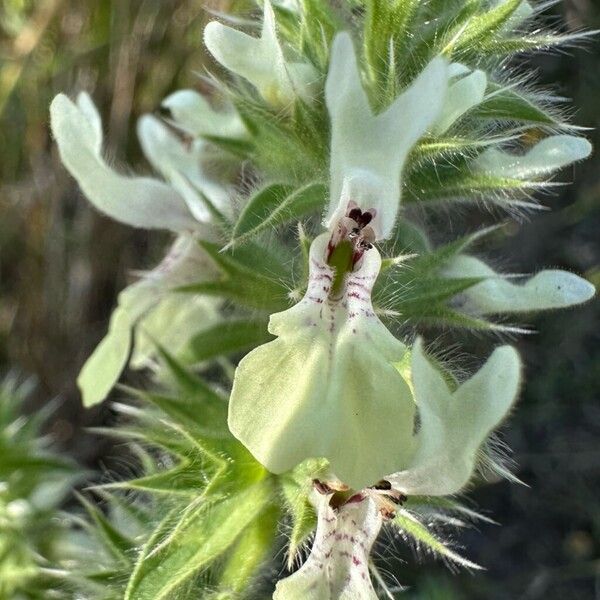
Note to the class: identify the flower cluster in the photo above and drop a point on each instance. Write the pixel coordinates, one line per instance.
(388, 421)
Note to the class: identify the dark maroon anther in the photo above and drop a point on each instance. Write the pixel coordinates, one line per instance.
(355, 214)
(365, 219)
(384, 484)
(387, 514)
(397, 498)
(322, 487)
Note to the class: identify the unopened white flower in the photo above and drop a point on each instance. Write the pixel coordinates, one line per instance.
(338, 565)
(136, 311)
(327, 387)
(547, 289)
(261, 60)
(454, 424)
(547, 156)
(368, 151)
(193, 114)
(137, 201)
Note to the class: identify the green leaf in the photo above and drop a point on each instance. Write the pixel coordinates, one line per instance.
(251, 276)
(411, 238)
(275, 139)
(501, 46)
(431, 150)
(199, 538)
(442, 315)
(484, 25)
(417, 291)
(225, 338)
(441, 22)
(387, 26)
(302, 513)
(182, 480)
(411, 526)
(261, 293)
(416, 297)
(510, 105)
(202, 415)
(460, 182)
(115, 542)
(238, 148)
(255, 546)
(296, 487)
(276, 204)
(427, 503)
(186, 382)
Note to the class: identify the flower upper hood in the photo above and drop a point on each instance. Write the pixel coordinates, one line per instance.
(368, 151)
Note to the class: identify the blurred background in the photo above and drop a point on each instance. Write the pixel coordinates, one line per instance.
(62, 264)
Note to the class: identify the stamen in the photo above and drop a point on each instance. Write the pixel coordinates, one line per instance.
(353, 230)
(386, 498)
(365, 219)
(355, 214)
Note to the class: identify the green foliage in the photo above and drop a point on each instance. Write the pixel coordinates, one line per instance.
(276, 204)
(416, 291)
(425, 540)
(229, 337)
(34, 482)
(201, 517)
(204, 525)
(253, 277)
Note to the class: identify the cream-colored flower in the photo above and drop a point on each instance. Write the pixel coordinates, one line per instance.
(368, 151)
(138, 310)
(138, 201)
(146, 309)
(466, 90)
(327, 386)
(454, 424)
(500, 293)
(193, 114)
(338, 565)
(261, 61)
(547, 156)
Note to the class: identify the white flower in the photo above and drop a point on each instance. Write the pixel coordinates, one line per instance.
(327, 386)
(338, 565)
(368, 151)
(454, 424)
(138, 307)
(181, 164)
(137, 201)
(192, 113)
(551, 154)
(466, 90)
(261, 61)
(145, 309)
(547, 289)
